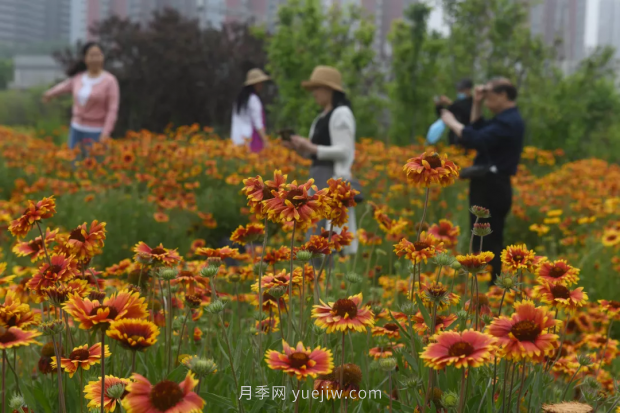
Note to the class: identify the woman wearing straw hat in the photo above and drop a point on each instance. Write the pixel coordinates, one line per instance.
(248, 117)
(331, 145)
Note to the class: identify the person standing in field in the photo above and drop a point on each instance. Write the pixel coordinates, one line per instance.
(498, 143)
(248, 115)
(460, 108)
(95, 99)
(331, 145)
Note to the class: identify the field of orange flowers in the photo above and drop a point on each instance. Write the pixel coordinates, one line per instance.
(177, 267)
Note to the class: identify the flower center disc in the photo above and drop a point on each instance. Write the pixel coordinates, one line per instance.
(77, 235)
(391, 327)
(556, 272)
(6, 336)
(462, 348)
(158, 251)
(79, 354)
(112, 315)
(345, 306)
(54, 268)
(292, 196)
(299, 360)
(419, 246)
(165, 395)
(559, 291)
(526, 330)
(434, 160)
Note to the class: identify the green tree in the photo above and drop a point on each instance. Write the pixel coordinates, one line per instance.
(415, 60)
(307, 36)
(6, 72)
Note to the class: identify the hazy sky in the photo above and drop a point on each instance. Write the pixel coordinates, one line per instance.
(592, 7)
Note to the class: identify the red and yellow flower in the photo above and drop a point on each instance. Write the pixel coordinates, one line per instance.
(92, 392)
(133, 333)
(258, 191)
(558, 272)
(346, 314)
(158, 255)
(475, 262)
(427, 247)
(14, 313)
(558, 295)
(300, 361)
(92, 313)
(441, 323)
(384, 351)
(430, 169)
(252, 232)
(293, 203)
(61, 268)
(85, 243)
(459, 349)
(390, 330)
(16, 337)
(164, 397)
(35, 249)
(34, 212)
(83, 357)
(446, 232)
(518, 257)
(522, 335)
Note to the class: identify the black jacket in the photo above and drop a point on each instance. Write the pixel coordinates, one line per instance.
(461, 109)
(497, 141)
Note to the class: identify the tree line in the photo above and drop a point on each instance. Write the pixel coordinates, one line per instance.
(173, 71)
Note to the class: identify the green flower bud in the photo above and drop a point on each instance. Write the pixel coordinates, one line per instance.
(168, 274)
(482, 229)
(52, 327)
(201, 367)
(462, 314)
(506, 281)
(444, 259)
(455, 265)
(449, 399)
(277, 292)
(303, 256)
(376, 308)
(235, 278)
(413, 382)
(216, 307)
(116, 391)
(388, 364)
(480, 212)
(353, 278)
(209, 271)
(584, 360)
(258, 266)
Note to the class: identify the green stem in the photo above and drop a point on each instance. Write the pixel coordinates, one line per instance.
(423, 213)
(462, 396)
(569, 383)
(169, 353)
(260, 294)
(289, 330)
(230, 359)
(102, 368)
(183, 331)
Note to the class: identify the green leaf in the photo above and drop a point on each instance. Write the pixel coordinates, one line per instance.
(425, 315)
(218, 400)
(40, 397)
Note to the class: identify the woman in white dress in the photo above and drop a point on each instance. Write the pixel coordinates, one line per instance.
(248, 117)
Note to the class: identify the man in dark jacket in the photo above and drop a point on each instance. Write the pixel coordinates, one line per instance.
(460, 108)
(498, 143)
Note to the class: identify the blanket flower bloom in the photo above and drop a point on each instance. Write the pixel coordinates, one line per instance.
(92, 392)
(346, 314)
(93, 313)
(35, 212)
(164, 397)
(461, 349)
(83, 357)
(301, 361)
(558, 272)
(521, 336)
(429, 169)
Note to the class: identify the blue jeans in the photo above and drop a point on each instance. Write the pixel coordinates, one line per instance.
(82, 139)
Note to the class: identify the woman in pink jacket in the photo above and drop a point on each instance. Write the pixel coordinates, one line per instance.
(95, 98)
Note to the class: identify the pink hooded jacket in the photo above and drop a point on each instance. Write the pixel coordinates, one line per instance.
(101, 108)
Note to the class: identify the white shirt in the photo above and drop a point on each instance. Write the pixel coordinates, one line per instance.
(247, 120)
(342, 153)
(82, 97)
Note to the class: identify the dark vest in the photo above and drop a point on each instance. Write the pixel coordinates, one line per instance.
(322, 137)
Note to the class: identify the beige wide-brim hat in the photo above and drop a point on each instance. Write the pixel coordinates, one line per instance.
(255, 76)
(324, 76)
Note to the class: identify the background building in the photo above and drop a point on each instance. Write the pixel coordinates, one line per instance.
(608, 33)
(562, 22)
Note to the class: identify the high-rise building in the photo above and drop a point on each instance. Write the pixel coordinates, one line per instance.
(24, 24)
(562, 23)
(608, 24)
